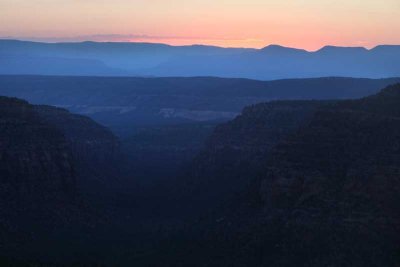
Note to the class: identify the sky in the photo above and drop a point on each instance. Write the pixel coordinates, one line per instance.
(308, 24)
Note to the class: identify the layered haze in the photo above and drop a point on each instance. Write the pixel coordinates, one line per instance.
(161, 60)
(236, 23)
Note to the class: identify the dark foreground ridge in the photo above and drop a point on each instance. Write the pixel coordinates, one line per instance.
(50, 161)
(325, 194)
(286, 183)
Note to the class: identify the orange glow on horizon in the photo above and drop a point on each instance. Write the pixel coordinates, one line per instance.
(309, 24)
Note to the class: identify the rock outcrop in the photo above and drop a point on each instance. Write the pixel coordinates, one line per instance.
(35, 159)
(237, 150)
(346, 159)
(54, 166)
(334, 184)
(49, 161)
(95, 150)
(326, 189)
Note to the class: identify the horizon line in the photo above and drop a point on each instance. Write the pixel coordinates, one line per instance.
(30, 40)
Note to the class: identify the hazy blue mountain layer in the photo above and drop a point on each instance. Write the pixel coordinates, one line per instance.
(144, 59)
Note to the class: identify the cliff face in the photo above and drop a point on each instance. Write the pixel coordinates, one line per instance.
(95, 150)
(309, 151)
(346, 160)
(237, 150)
(46, 150)
(325, 182)
(35, 160)
(334, 184)
(87, 139)
(50, 158)
(50, 163)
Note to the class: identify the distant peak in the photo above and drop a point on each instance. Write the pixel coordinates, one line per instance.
(389, 48)
(331, 48)
(280, 48)
(275, 46)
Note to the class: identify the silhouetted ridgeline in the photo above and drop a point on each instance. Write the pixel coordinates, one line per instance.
(324, 194)
(237, 150)
(143, 109)
(286, 183)
(37, 176)
(337, 182)
(48, 157)
(143, 59)
(95, 149)
(35, 159)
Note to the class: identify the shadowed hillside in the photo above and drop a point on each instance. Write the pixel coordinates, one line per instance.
(324, 194)
(286, 183)
(51, 162)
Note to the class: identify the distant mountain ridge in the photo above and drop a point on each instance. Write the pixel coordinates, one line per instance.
(148, 59)
(122, 102)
